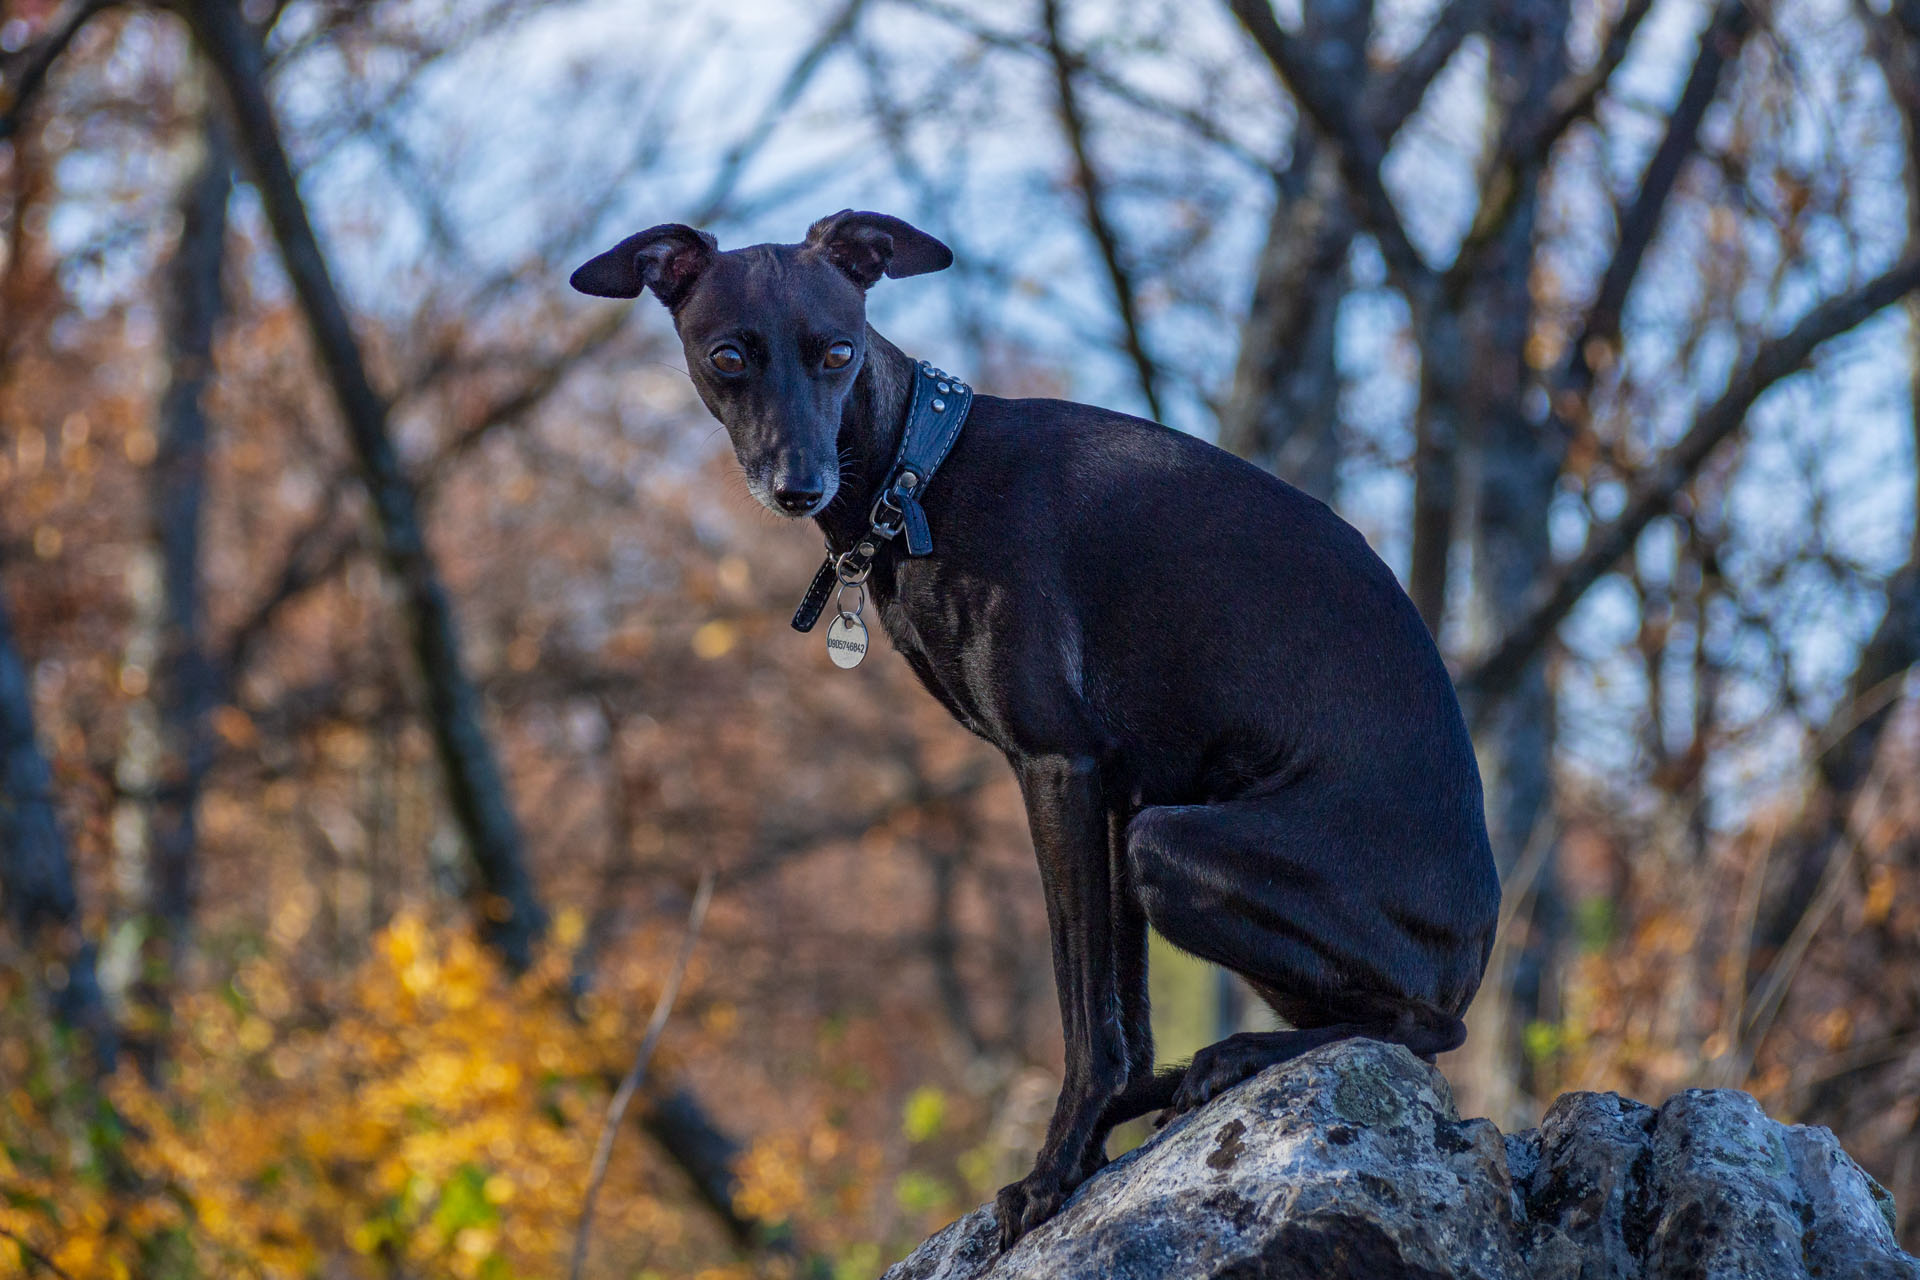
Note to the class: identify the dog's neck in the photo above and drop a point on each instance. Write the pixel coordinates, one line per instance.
(870, 427)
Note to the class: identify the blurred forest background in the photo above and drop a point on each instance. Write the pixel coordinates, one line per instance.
(387, 644)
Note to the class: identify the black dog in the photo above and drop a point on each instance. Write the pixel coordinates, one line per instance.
(1226, 717)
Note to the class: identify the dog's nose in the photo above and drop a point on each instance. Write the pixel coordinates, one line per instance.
(796, 502)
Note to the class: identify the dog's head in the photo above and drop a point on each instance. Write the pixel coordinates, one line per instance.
(775, 334)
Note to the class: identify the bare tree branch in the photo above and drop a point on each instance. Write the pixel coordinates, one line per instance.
(835, 32)
(1761, 1004)
(512, 917)
(623, 1096)
(1360, 149)
(1654, 491)
(514, 408)
(1529, 137)
(314, 557)
(1574, 97)
(22, 73)
(1719, 44)
(1093, 197)
(1098, 77)
(772, 850)
(34, 1255)
(309, 562)
(1853, 735)
(1397, 94)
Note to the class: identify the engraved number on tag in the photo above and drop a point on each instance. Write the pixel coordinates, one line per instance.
(846, 640)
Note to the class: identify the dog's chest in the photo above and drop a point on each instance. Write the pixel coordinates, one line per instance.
(947, 655)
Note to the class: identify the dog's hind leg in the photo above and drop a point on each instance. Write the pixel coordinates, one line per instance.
(1344, 937)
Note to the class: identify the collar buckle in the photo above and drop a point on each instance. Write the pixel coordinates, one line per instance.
(880, 525)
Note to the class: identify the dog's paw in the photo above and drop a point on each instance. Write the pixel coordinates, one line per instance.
(1215, 1069)
(1025, 1204)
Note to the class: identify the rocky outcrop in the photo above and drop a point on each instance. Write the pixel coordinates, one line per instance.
(1351, 1162)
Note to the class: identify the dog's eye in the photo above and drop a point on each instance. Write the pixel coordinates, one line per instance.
(727, 359)
(838, 354)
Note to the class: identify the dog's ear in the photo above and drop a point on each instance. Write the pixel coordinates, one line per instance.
(867, 246)
(667, 259)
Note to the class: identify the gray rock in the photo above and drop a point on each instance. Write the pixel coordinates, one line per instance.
(1351, 1162)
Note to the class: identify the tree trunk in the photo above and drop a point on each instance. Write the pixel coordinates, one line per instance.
(1283, 411)
(1514, 468)
(36, 877)
(1436, 445)
(185, 685)
(511, 915)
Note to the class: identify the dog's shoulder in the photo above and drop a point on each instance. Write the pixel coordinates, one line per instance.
(1102, 476)
(1057, 443)
(1052, 437)
(1048, 423)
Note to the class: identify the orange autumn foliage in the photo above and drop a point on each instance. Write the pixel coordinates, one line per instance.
(430, 1116)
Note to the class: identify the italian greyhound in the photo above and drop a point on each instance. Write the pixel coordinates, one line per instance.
(1227, 720)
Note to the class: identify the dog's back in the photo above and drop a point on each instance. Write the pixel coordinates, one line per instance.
(1224, 630)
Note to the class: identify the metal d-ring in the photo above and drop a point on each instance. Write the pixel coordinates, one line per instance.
(859, 599)
(852, 577)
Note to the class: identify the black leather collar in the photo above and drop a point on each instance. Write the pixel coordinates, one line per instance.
(935, 413)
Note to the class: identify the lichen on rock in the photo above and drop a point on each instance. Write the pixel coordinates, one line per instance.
(1352, 1162)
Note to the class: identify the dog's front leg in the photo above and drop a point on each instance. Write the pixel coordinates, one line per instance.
(1069, 821)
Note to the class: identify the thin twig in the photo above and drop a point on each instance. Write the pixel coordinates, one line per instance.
(617, 1109)
(1753, 1026)
(1640, 221)
(1553, 597)
(1109, 83)
(1848, 1061)
(1733, 998)
(1516, 895)
(1516, 890)
(1528, 141)
(1093, 196)
(1860, 710)
(34, 1255)
(734, 163)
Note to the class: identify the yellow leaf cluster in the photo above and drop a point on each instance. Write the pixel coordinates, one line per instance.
(428, 1116)
(771, 1183)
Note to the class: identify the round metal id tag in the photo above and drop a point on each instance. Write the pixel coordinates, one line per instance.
(846, 640)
